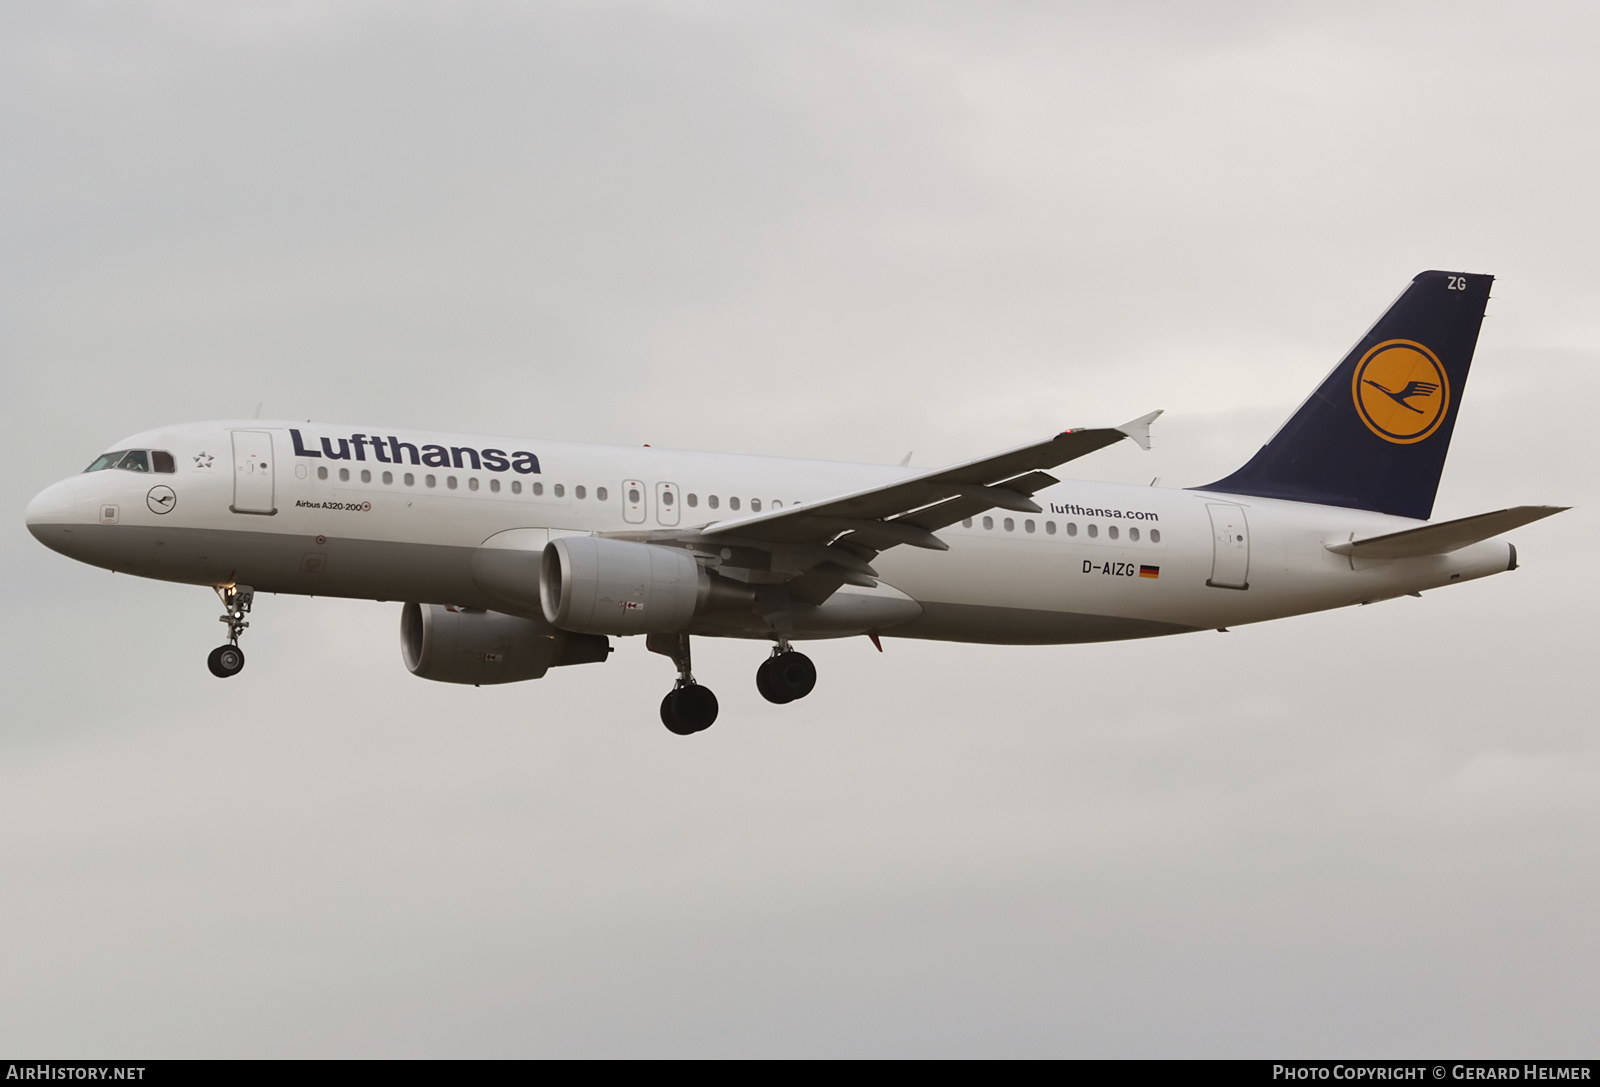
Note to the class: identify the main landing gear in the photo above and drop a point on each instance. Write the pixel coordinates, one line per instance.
(786, 675)
(228, 660)
(688, 707)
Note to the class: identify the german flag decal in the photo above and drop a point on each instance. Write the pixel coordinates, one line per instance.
(1149, 571)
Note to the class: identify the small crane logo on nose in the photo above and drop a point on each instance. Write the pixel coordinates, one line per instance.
(161, 499)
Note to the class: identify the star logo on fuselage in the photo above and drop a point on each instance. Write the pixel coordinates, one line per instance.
(203, 460)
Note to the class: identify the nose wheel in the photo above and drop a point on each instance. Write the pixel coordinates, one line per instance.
(785, 676)
(227, 661)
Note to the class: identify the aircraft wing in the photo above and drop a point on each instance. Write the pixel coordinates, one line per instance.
(906, 510)
(817, 546)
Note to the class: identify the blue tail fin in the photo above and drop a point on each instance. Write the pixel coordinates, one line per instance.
(1375, 434)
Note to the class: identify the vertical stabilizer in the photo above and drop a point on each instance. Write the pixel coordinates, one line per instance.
(1375, 434)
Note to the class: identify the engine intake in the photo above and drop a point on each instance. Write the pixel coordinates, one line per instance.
(468, 645)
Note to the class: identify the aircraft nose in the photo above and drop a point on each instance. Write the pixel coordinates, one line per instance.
(55, 506)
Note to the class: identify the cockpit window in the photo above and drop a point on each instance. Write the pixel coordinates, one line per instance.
(135, 460)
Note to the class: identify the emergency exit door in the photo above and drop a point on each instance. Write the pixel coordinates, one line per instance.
(667, 503)
(633, 501)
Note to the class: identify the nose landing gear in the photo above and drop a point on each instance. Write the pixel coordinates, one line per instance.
(228, 660)
(786, 675)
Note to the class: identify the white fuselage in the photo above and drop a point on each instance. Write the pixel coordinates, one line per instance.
(250, 504)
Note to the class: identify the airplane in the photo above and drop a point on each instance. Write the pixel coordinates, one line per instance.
(514, 556)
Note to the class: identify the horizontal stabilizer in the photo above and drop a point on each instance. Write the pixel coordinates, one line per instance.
(1444, 537)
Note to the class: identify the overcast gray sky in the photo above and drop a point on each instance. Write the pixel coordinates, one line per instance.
(839, 231)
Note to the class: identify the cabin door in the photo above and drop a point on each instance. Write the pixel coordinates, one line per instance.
(1230, 547)
(252, 472)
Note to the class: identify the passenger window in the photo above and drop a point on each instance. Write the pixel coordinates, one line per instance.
(135, 461)
(163, 461)
(666, 499)
(430, 481)
(494, 486)
(472, 483)
(411, 480)
(579, 492)
(1072, 528)
(1027, 526)
(561, 490)
(516, 486)
(1133, 534)
(388, 478)
(1010, 524)
(694, 500)
(1155, 535)
(1049, 528)
(538, 488)
(1094, 530)
(344, 475)
(366, 476)
(988, 522)
(755, 505)
(776, 504)
(322, 471)
(733, 503)
(600, 494)
(966, 522)
(450, 482)
(633, 496)
(712, 501)
(1112, 532)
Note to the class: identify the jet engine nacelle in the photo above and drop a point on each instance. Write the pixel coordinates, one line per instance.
(604, 586)
(468, 645)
